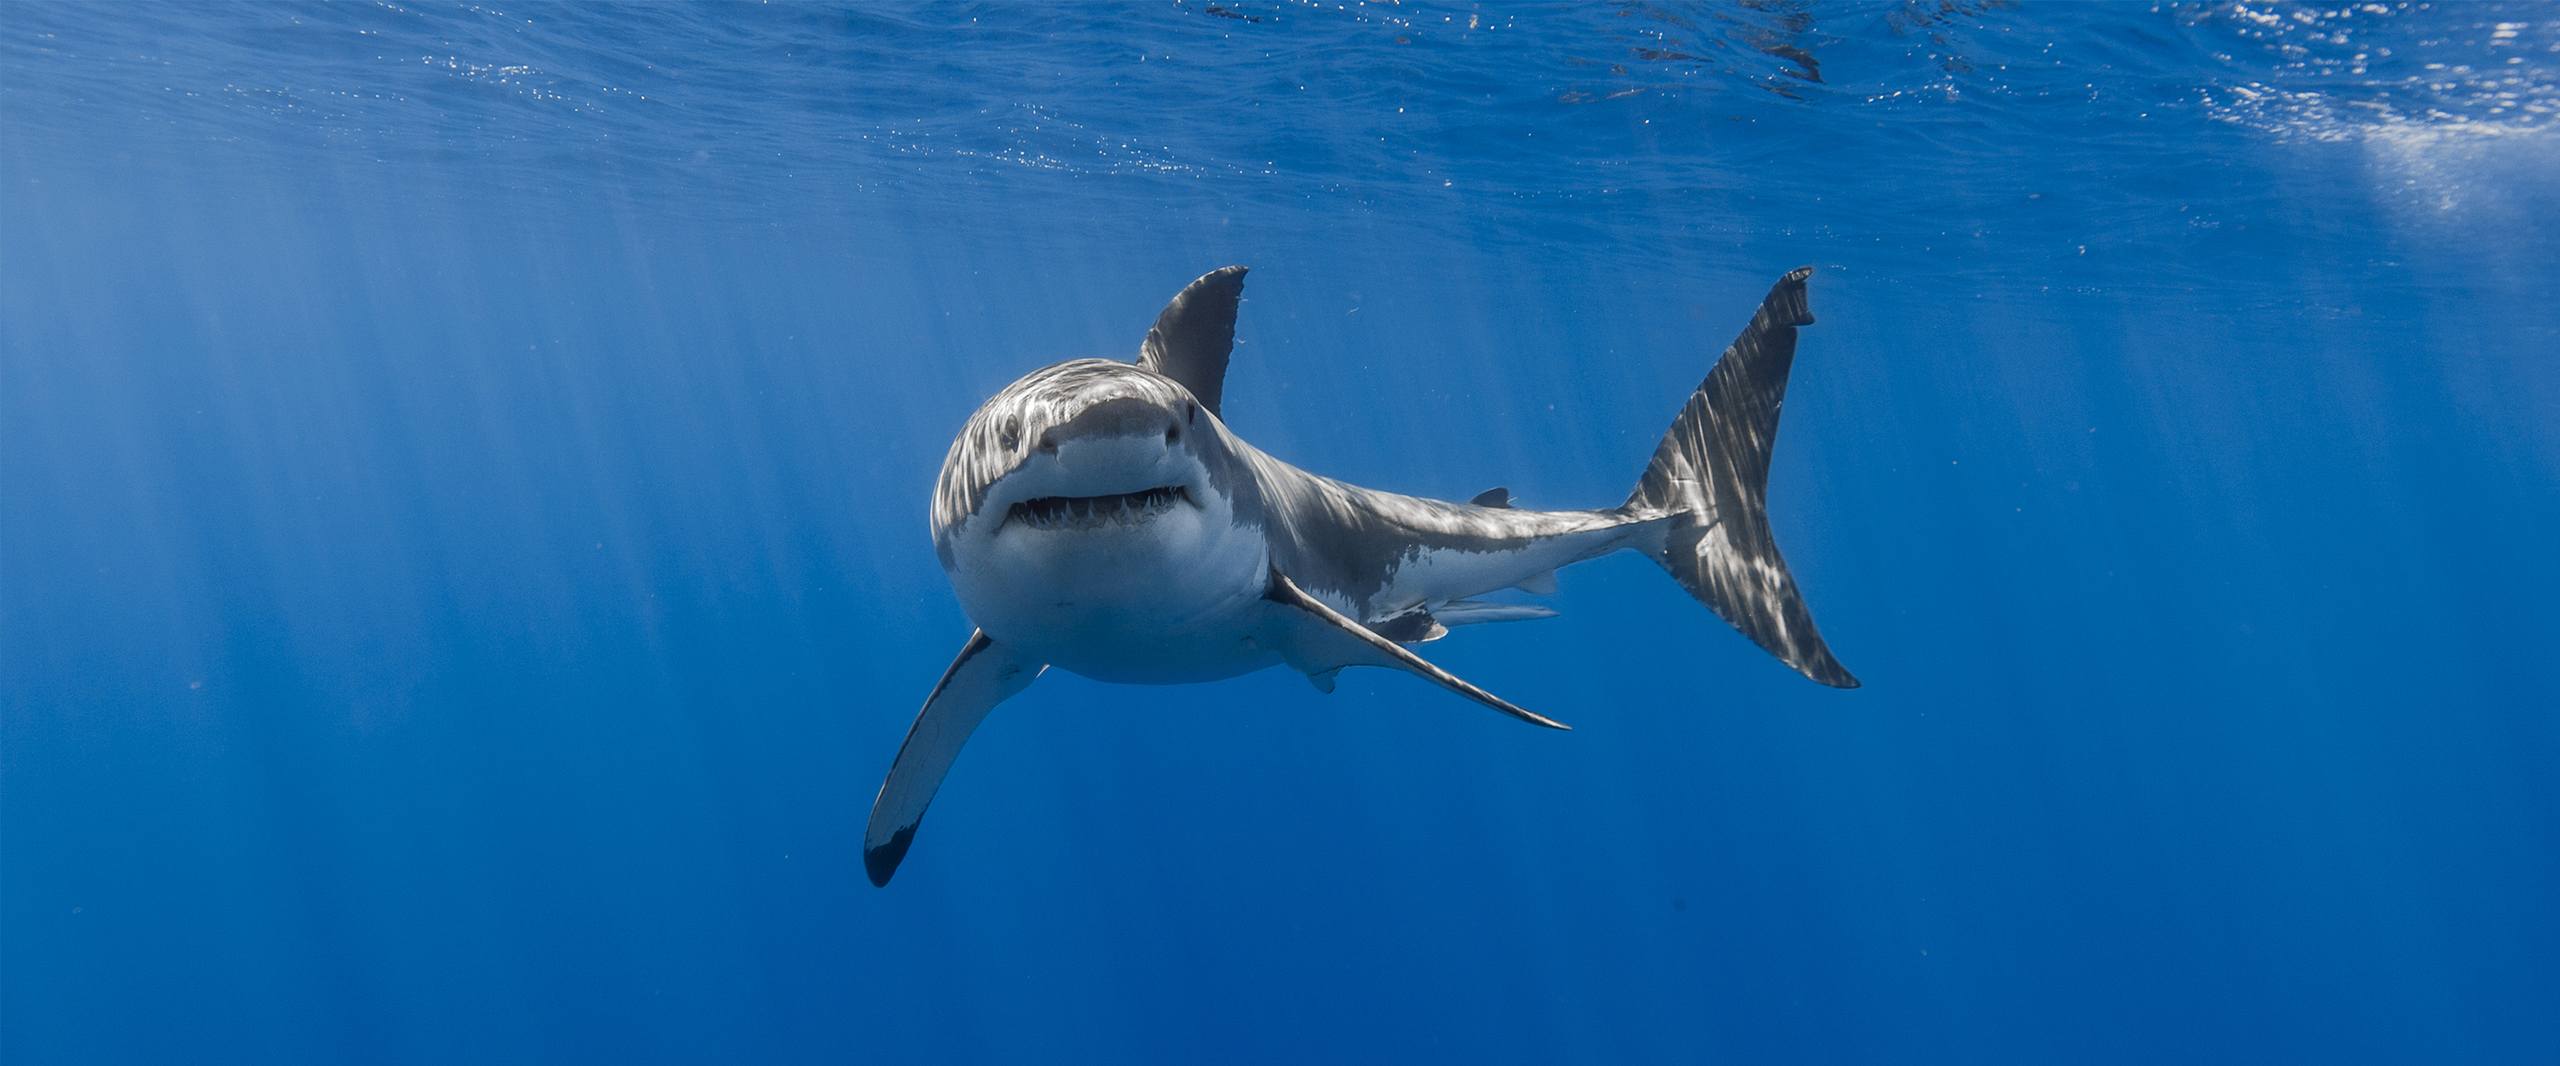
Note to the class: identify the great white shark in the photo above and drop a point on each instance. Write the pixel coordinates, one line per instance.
(1099, 517)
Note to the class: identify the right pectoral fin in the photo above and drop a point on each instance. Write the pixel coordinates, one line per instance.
(985, 674)
(1317, 639)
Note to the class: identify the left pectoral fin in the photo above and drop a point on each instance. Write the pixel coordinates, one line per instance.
(1315, 638)
(986, 673)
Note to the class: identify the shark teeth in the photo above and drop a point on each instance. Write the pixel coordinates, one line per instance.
(1095, 512)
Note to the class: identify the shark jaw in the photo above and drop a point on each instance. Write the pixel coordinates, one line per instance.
(1096, 523)
(1062, 513)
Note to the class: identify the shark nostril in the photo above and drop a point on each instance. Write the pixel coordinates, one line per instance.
(1173, 433)
(1048, 444)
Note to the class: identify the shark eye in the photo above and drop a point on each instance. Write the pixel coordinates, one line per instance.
(1190, 413)
(1173, 433)
(1011, 432)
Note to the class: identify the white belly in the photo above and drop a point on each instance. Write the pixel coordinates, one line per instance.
(1170, 600)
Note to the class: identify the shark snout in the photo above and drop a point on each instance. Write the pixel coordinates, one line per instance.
(1125, 459)
(1093, 463)
(1119, 418)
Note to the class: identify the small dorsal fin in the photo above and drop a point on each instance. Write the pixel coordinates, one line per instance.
(1195, 334)
(1496, 496)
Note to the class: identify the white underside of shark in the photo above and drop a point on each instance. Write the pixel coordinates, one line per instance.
(1099, 517)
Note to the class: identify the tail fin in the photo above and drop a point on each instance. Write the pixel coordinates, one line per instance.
(1712, 475)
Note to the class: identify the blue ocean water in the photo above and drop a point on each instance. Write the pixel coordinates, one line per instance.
(463, 565)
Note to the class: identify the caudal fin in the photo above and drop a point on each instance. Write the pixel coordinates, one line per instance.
(1711, 475)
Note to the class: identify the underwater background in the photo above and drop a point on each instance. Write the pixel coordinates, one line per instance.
(463, 567)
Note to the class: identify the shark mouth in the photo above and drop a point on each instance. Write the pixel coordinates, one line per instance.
(1094, 512)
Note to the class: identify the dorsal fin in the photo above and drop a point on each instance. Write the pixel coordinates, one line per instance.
(1493, 497)
(1194, 335)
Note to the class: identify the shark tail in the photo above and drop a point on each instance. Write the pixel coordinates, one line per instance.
(1710, 476)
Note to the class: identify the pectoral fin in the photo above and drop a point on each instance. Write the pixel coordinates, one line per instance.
(1319, 638)
(985, 674)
